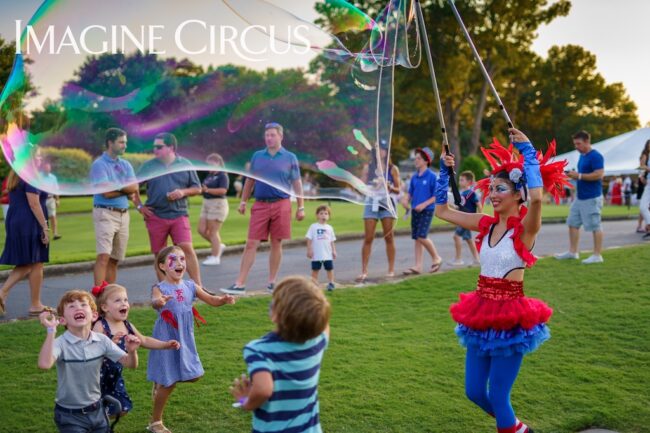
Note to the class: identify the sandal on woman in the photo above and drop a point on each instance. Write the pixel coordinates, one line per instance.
(36, 313)
(435, 267)
(361, 278)
(158, 427)
(411, 271)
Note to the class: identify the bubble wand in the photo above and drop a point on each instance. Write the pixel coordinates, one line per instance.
(480, 63)
(441, 117)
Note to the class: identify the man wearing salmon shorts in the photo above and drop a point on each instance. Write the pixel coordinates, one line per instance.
(170, 180)
(271, 212)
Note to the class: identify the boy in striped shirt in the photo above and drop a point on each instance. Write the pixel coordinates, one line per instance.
(284, 365)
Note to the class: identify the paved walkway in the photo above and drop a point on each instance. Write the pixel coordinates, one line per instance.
(138, 280)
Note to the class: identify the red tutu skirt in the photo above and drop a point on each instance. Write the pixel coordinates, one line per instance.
(499, 304)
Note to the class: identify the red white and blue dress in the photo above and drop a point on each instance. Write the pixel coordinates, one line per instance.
(497, 319)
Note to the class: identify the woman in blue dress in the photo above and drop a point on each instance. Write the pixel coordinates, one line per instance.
(27, 242)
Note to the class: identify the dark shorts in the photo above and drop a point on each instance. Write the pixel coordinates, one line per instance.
(420, 224)
(327, 264)
(463, 233)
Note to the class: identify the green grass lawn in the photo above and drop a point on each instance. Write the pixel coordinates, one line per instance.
(78, 242)
(394, 364)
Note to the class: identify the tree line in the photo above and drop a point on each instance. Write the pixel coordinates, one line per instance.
(548, 97)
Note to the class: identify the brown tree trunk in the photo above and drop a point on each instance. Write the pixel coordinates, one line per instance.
(478, 120)
(480, 110)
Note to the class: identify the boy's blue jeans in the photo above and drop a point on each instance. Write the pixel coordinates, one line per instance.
(90, 422)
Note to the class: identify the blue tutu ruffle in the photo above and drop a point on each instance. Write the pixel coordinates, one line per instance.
(491, 342)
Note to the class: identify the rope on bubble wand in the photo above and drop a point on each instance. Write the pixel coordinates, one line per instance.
(436, 91)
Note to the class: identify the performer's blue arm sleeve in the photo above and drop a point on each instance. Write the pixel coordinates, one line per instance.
(531, 164)
(443, 183)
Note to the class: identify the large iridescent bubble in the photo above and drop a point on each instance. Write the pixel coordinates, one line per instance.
(213, 73)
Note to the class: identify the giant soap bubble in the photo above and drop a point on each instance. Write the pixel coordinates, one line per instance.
(213, 73)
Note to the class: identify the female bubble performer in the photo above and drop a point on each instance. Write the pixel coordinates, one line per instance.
(496, 323)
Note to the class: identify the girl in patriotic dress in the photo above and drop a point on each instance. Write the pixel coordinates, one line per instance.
(173, 297)
(113, 308)
(497, 323)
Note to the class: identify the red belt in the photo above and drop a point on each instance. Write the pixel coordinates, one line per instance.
(499, 289)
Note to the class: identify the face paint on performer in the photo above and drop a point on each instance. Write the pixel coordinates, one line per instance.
(503, 195)
(500, 189)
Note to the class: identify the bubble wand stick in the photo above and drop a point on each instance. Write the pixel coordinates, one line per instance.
(441, 117)
(480, 62)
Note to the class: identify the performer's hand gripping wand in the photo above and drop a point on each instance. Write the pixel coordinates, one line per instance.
(441, 117)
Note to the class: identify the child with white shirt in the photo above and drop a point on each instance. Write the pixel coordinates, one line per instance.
(320, 246)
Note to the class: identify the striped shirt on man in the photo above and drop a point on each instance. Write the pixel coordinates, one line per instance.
(295, 368)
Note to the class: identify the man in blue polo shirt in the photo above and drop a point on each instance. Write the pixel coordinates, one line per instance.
(111, 208)
(271, 213)
(586, 209)
(170, 180)
(422, 198)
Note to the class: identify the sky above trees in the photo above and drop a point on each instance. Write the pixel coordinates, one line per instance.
(613, 31)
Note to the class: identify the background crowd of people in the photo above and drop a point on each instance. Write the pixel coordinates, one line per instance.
(31, 220)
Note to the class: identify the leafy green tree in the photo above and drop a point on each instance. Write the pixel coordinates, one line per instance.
(503, 30)
(474, 164)
(564, 93)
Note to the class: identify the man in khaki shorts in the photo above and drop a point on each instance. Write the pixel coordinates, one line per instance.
(111, 208)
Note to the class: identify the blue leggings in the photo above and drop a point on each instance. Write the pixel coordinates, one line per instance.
(500, 372)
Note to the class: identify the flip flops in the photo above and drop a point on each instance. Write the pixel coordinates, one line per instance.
(411, 271)
(158, 427)
(361, 278)
(33, 313)
(435, 267)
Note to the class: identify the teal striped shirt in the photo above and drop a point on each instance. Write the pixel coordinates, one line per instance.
(293, 406)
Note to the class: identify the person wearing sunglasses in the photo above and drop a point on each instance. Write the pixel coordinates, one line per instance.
(170, 181)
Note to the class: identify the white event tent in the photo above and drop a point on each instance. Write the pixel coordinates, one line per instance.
(621, 153)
